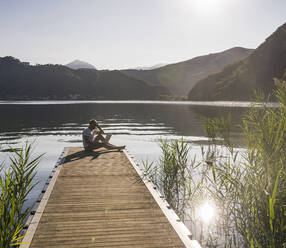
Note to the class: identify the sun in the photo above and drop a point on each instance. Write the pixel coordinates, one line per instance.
(206, 7)
(207, 212)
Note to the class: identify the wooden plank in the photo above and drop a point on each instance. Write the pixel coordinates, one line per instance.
(182, 231)
(38, 214)
(96, 200)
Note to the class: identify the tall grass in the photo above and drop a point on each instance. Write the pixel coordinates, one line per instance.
(251, 191)
(173, 174)
(16, 183)
(247, 186)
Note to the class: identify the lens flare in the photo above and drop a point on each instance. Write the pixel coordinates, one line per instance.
(207, 212)
(207, 7)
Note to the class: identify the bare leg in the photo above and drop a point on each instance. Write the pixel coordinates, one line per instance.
(99, 137)
(108, 136)
(105, 144)
(110, 146)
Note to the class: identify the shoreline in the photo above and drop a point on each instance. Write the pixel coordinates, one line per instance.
(244, 104)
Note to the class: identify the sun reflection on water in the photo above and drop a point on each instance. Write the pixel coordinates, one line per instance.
(207, 212)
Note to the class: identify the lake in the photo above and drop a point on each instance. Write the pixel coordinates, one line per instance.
(53, 125)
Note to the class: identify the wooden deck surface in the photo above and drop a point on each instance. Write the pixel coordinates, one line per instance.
(97, 201)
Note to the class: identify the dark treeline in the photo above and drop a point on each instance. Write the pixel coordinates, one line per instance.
(22, 81)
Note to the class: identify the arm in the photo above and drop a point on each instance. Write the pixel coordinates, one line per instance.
(100, 129)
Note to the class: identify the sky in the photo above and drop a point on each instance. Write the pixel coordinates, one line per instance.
(118, 34)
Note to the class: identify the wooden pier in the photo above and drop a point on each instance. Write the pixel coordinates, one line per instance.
(97, 199)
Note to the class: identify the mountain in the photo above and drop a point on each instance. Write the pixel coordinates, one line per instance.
(179, 78)
(238, 81)
(78, 64)
(159, 65)
(21, 81)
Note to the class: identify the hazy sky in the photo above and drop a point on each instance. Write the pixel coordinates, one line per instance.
(128, 33)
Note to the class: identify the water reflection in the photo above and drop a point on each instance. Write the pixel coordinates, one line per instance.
(207, 212)
(125, 119)
(54, 126)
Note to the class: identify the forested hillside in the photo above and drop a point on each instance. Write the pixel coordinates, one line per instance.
(238, 81)
(19, 80)
(179, 78)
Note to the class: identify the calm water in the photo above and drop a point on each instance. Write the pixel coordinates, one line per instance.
(55, 125)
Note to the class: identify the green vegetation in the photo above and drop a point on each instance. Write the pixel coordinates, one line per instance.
(247, 187)
(15, 184)
(21, 81)
(239, 80)
(179, 78)
(172, 175)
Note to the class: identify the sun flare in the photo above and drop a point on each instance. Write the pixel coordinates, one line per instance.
(207, 7)
(207, 212)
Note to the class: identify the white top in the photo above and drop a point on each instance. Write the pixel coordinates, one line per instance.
(90, 134)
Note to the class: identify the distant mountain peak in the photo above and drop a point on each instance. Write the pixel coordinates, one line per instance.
(180, 77)
(78, 64)
(145, 68)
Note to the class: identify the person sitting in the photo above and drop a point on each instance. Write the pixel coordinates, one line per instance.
(93, 138)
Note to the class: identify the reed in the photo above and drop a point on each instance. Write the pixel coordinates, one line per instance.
(171, 174)
(16, 184)
(251, 191)
(246, 186)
